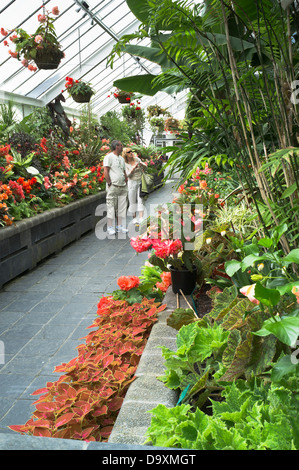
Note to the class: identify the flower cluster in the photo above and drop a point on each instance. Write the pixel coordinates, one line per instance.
(122, 94)
(28, 46)
(166, 281)
(77, 87)
(128, 282)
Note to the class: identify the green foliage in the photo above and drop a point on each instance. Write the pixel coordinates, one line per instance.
(251, 416)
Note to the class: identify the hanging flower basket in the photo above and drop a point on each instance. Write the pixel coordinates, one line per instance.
(47, 59)
(42, 47)
(80, 91)
(123, 97)
(172, 124)
(82, 97)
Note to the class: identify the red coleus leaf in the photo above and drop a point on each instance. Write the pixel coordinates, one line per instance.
(39, 391)
(41, 432)
(105, 432)
(115, 403)
(107, 360)
(47, 406)
(64, 419)
(101, 411)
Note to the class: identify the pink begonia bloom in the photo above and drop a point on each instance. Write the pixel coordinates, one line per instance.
(38, 39)
(47, 182)
(248, 291)
(55, 11)
(41, 18)
(295, 290)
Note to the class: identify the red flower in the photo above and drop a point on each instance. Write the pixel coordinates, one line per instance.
(141, 244)
(128, 282)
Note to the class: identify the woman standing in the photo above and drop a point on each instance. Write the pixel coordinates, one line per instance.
(134, 169)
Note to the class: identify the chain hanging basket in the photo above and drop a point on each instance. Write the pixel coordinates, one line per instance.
(82, 97)
(48, 59)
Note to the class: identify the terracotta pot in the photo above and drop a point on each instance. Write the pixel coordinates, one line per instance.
(183, 279)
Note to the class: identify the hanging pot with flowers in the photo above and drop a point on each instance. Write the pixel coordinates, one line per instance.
(132, 111)
(157, 124)
(123, 96)
(80, 91)
(172, 124)
(42, 47)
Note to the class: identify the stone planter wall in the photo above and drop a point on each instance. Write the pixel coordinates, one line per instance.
(146, 391)
(29, 241)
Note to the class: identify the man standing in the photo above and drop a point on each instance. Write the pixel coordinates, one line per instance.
(116, 187)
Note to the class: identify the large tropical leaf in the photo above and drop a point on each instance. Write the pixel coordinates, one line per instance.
(138, 83)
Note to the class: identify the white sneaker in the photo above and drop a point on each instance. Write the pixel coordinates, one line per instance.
(121, 229)
(110, 231)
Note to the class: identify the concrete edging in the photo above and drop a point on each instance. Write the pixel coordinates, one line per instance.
(147, 392)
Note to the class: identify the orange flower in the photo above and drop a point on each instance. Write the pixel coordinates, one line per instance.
(203, 184)
(128, 282)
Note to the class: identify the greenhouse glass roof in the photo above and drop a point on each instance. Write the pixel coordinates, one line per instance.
(87, 31)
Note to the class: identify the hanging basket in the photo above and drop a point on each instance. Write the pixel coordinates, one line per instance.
(82, 97)
(48, 59)
(123, 98)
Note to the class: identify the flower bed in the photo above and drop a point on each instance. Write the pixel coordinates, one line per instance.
(84, 402)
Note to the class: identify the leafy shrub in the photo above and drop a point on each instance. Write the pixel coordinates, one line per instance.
(252, 416)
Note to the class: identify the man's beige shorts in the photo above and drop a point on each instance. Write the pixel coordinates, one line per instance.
(116, 201)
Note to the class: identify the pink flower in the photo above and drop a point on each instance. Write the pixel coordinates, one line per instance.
(38, 39)
(41, 18)
(248, 291)
(66, 162)
(141, 244)
(13, 54)
(32, 68)
(3, 32)
(47, 182)
(55, 11)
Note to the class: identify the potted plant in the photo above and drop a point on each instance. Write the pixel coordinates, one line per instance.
(42, 47)
(170, 236)
(132, 111)
(157, 124)
(123, 96)
(156, 110)
(172, 124)
(80, 91)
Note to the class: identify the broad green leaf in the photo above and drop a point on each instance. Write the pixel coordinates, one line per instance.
(139, 83)
(283, 367)
(153, 54)
(292, 257)
(231, 267)
(268, 297)
(286, 329)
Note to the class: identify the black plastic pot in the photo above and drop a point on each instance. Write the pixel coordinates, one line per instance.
(183, 279)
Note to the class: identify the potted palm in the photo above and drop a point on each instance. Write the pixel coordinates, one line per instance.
(42, 47)
(80, 91)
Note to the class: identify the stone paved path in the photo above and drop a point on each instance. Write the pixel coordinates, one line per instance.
(45, 313)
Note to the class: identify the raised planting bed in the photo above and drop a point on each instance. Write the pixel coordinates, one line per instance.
(29, 241)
